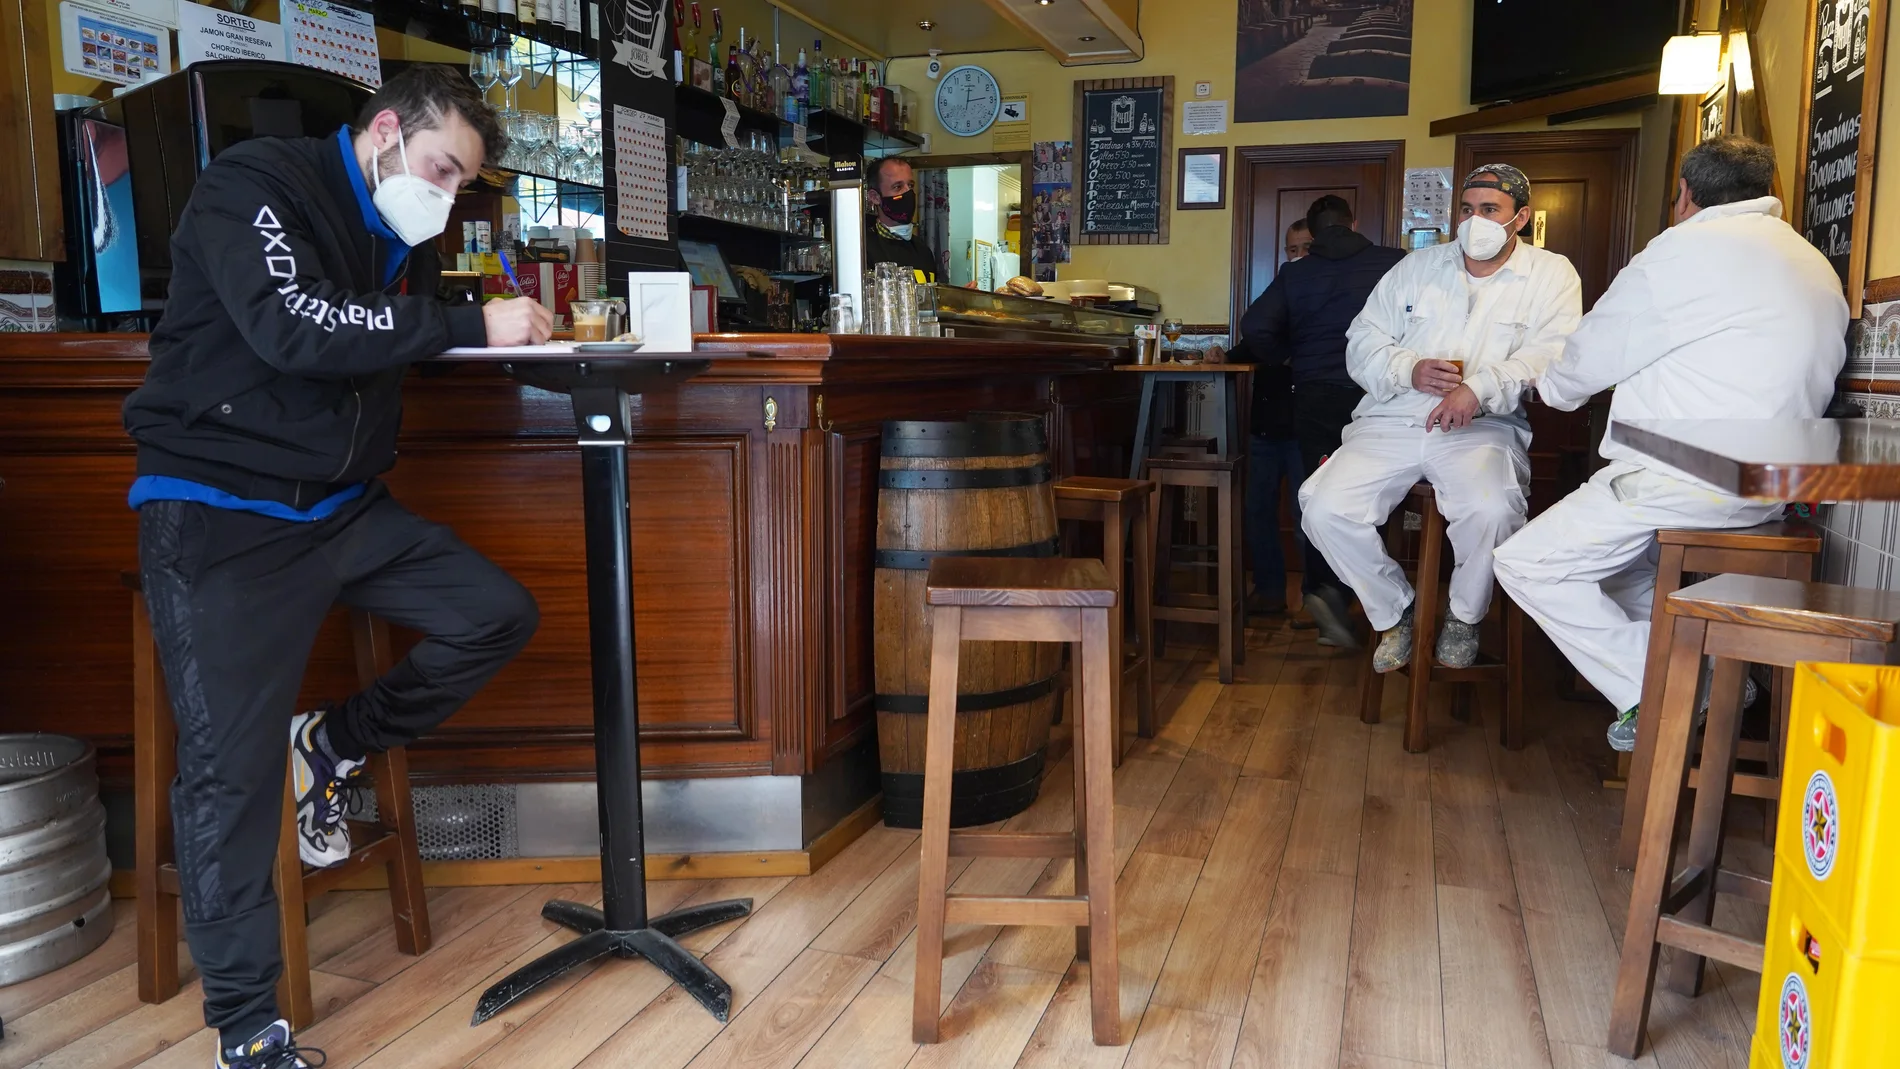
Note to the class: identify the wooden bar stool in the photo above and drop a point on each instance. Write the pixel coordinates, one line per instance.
(1783, 549)
(1734, 619)
(1224, 607)
(1015, 599)
(390, 841)
(1121, 507)
(1425, 670)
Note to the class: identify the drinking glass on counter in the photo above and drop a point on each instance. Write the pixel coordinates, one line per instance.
(840, 318)
(596, 320)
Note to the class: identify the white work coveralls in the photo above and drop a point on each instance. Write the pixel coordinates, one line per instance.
(1506, 328)
(1729, 315)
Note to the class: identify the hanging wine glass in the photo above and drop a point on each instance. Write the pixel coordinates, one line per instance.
(483, 70)
(510, 72)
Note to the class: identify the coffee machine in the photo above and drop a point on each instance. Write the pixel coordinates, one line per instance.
(128, 165)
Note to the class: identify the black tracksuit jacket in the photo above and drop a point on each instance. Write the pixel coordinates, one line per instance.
(276, 370)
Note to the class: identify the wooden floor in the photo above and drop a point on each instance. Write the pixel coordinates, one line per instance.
(1296, 891)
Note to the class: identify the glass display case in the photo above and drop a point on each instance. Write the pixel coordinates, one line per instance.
(974, 313)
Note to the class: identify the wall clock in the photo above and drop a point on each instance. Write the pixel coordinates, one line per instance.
(968, 100)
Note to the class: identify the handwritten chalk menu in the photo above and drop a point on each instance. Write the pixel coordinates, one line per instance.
(1122, 147)
(1844, 77)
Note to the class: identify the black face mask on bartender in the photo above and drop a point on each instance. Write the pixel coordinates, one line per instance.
(900, 207)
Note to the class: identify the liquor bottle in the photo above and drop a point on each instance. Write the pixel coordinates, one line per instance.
(590, 44)
(507, 20)
(713, 54)
(738, 79)
(529, 19)
(735, 81)
(679, 42)
(491, 13)
(760, 70)
(801, 85)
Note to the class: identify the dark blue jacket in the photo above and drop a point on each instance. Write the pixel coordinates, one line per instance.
(1302, 317)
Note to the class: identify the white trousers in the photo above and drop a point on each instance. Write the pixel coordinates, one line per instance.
(1585, 570)
(1479, 473)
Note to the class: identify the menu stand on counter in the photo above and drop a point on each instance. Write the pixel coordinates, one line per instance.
(600, 389)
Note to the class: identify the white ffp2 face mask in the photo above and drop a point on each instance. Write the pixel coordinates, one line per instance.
(1482, 238)
(414, 208)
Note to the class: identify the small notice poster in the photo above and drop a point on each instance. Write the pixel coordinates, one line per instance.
(639, 167)
(334, 38)
(113, 47)
(208, 33)
(1204, 117)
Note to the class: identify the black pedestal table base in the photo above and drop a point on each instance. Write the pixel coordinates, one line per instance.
(600, 391)
(654, 943)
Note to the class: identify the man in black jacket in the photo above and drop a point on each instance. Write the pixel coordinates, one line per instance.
(303, 287)
(890, 233)
(1301, 321)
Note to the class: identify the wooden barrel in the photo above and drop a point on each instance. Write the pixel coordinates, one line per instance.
(976, 488)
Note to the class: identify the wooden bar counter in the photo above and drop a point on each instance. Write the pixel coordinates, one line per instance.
(754, 507)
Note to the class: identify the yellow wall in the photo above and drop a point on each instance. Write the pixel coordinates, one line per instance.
(1193, 40)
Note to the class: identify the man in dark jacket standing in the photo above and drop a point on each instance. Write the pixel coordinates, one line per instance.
(1301, 321)
(303, 287)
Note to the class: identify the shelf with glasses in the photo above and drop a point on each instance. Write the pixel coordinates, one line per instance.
(716, 221)
(499, 178)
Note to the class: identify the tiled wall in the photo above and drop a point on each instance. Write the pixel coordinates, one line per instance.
(26, 296)
(1862, 544)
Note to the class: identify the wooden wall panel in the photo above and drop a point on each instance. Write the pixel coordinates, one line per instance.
(30, 224)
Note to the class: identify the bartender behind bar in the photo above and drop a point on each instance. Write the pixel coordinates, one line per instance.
(891, 185)
(305, 285)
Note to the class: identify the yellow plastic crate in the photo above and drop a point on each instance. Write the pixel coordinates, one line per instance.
(1822, 1007)
(1830, 986)
(1839, 829)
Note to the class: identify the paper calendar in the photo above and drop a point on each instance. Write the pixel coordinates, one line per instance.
(332, 37)
(640, 173)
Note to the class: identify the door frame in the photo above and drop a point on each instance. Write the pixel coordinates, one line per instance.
(1390, 153)
(1474, 150)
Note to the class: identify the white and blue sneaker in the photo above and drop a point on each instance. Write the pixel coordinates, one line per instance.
(322, 782)
(272, 1048)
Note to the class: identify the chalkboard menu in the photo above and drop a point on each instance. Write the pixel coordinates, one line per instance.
(1844, 83)
(1122, 143)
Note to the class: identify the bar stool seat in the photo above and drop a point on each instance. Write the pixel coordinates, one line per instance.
(389, 841)
(1014, 599)
(1424, 669)
(1225, 606)
(1734, 619)
(1782, 549)
(1121, 507)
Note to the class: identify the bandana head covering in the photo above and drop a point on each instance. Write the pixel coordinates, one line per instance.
(1504, 178)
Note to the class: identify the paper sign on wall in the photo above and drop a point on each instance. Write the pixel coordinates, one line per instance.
(207, 33)
(334, 38)
(155, 12)
(1011, 129)
(113, 47)
(1204, 117)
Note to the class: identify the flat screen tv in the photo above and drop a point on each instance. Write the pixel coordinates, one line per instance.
(1529, 48)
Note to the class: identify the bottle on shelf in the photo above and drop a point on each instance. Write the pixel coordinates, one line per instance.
(491, 13)
(506, 18)
(529, 19)
(471, 11)
(790, 108)
(735, 78)
(759, 75)
(713, 53)
(801, 86)
(692, 43)
(815, 84)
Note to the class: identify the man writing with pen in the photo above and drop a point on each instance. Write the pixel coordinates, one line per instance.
(303, 288)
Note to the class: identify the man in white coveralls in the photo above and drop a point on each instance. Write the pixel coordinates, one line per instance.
(1501, 307)
(1728, 314)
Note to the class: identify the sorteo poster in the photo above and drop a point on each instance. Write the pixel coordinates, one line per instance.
(1051, 204)
(1298, 60)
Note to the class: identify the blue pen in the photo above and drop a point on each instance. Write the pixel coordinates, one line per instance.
(510, 270)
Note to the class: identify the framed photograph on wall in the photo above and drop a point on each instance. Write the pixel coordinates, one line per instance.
(1201, 178)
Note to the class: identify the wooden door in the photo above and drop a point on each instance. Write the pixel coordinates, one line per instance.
(1584, 183)
(1275, 184)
